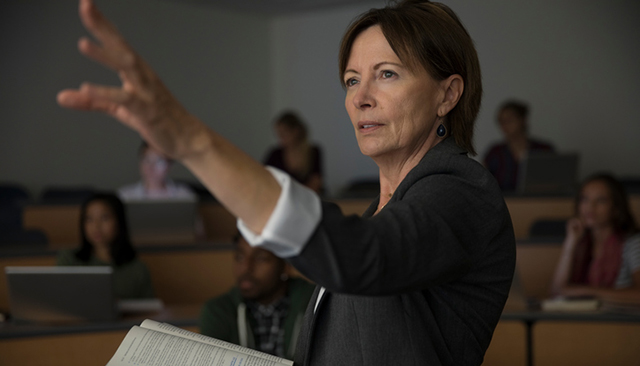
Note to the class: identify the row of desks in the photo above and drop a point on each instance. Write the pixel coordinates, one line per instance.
(195, 273)
(60, 222)
(553, 339)
(186, 276)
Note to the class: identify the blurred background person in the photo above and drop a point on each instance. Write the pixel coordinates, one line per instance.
(503, 159)
(264, 311)
(105, 242)
(601, 251)
(294, 154)
(155, 183)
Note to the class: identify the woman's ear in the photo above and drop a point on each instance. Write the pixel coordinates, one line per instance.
(453, 86)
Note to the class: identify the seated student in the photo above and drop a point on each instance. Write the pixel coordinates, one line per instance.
(503, 159)
(105, 242)
(294, 154)
(155, 183)
(264, 311)
(601, 252)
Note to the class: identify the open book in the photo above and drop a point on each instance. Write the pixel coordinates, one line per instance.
(154, 343)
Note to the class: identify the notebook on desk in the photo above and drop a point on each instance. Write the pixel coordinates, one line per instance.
(157, 222)
(61, 294)
(548, 174)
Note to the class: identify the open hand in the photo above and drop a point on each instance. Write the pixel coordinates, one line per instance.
(142, 102)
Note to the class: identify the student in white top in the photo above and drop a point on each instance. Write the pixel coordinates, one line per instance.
(155, 183)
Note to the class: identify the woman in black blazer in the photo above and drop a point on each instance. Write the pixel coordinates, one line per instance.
(422, 277)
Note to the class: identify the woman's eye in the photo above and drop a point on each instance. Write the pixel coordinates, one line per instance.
(350, 82)
(388, 74)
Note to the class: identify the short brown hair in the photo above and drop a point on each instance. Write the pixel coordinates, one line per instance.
(291, 120)
(518, 107)
(429, 35)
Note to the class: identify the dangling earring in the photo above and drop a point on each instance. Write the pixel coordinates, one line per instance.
(442, 131)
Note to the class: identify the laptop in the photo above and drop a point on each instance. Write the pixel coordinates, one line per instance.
(548, 174)
(157, 222)
(61, 294)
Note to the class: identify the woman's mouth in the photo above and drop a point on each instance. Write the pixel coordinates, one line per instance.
(368, 126)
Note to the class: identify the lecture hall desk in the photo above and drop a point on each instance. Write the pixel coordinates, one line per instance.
(552, 339)
(529, 337)
(81, 344)
(60, 222)
(184, 277)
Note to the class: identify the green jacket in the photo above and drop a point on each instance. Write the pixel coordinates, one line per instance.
(130, 280)
(220, 318)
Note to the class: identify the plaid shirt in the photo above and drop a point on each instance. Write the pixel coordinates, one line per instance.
(269, 330)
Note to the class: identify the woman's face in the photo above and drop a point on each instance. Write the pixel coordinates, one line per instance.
(595, 206)
(100, 224)
(393, 110)
(153, 167)
(287, 136)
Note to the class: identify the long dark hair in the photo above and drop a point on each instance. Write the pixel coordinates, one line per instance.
(623, 221)
(122, 251)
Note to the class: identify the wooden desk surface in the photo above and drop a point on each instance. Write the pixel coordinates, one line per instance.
(508, 345)
(575, 338)
(80, 344)
(60, 222)
(586, 343)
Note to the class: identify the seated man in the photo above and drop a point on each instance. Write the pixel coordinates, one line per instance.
(264, 311)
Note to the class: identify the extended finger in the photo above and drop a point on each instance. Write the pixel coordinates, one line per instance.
(113, 51)
(114, 60)
(93, 97)
(98, 25)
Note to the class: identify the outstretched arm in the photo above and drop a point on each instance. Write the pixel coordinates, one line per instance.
(144, 104)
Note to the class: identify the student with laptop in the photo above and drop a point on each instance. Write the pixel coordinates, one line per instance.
(105, 242)
(155, 183)
(159, 204)
(601, 252)
(503, 159)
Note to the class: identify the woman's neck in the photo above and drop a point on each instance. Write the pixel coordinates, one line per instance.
(103, 254)
(297, 146)
(518, 146)
(393, 168)
(296, 157)
(601, 234)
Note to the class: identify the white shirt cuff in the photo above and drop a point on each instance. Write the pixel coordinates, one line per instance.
(292, 222)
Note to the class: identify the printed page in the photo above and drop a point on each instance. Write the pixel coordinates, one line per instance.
(170, 329)
(146, 347)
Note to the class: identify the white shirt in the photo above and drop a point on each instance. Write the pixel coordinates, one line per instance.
(174, 190)
(292, 222)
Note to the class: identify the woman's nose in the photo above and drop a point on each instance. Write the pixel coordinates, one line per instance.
(364, 97)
